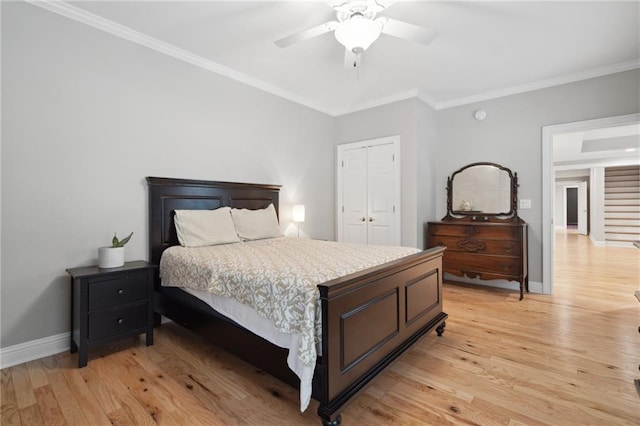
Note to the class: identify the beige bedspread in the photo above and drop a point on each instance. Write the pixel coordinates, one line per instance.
(277, 277)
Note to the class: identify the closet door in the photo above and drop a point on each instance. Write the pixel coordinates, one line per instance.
(368, 192)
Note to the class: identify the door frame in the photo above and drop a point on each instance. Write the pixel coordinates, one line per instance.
(395, 140)
(548, 183)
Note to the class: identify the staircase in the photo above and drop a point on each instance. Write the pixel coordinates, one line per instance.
(622, 205)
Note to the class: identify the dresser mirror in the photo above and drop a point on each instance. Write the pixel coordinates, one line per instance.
(482, 191)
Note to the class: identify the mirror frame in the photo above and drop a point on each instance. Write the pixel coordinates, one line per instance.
(512, 214)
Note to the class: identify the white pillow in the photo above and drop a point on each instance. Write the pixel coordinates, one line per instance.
(256, 224)
(197, 228)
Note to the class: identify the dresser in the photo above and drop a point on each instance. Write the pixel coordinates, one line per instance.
(109, 304)
(484, 250)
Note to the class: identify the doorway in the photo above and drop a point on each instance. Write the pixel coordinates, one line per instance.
(576, 211)
(571, 207)
(548, 183)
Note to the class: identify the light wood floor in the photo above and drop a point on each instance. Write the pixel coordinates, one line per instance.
(566, 359)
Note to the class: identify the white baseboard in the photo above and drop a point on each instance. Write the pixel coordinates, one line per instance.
(35, 349)
(597, 243)
(28, 351)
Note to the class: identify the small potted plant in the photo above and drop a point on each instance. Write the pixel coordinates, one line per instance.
(113, 256)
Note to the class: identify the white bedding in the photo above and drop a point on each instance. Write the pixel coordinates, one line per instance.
(277, 279)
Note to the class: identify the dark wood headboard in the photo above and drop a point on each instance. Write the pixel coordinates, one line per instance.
(166, 195)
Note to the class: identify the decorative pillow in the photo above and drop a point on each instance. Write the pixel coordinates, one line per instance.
(197, 228)
(256, 224)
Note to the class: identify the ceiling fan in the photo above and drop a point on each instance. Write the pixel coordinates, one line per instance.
(356, 28)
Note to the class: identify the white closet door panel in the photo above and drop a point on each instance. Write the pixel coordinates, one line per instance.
(381, 184)
(354, 192)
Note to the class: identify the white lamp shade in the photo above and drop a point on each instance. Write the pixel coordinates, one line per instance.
(358, 32)
(298, 213)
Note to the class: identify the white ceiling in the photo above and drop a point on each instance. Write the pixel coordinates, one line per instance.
(617, 145)
(483, 49)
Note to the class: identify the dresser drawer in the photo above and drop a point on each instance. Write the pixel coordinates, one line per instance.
(497, 232)
(451, 230)
(482, 263)
(105, 292)
(477, 231)
(114, 322)
(477, 245)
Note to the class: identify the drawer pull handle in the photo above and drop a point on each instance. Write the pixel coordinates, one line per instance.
(505, 267)
(471, 245)
(507, 249)
(120, 291)
(120, 320)
(362, 219)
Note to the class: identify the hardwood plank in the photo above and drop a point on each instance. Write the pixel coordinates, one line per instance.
(31, 415)
(22, 386)
(9, 411)
(49, 409)
(88, 403)
(101, 392)
(66, 401)
(37, 374)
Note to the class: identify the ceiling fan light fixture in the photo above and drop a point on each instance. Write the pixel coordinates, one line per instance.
(358, 33)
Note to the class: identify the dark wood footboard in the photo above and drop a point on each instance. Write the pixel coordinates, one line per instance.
(372, 317)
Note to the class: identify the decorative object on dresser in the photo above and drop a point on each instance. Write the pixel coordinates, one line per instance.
(108, 304)
(368, 318)
(483, 234)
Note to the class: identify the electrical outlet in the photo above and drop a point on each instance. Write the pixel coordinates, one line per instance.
(525, 204)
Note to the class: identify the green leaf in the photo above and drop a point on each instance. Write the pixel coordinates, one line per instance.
(125, 241)
(114, 241)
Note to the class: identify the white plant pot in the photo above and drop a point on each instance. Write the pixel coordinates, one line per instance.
(110, 257)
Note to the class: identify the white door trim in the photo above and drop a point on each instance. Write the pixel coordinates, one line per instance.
(395, 140)
(548, 183)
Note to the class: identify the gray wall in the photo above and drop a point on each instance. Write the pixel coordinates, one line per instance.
(512, 133)
(426, 173)
(86, 116)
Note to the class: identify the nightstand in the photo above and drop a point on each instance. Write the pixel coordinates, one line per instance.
(108, 304)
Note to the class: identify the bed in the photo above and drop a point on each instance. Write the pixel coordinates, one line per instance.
(401, 300)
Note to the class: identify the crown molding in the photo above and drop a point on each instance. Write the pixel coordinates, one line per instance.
(72, 12)
(571, 78)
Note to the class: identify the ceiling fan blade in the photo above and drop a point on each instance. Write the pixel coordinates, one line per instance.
(407, 31)
(307, 34)
(351, 60)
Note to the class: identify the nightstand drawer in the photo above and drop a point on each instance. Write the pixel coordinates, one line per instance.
(117, 291)
(114, 322)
